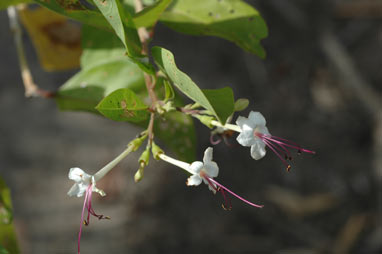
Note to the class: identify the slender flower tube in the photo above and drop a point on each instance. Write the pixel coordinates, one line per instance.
(205, 171)
(255, 134)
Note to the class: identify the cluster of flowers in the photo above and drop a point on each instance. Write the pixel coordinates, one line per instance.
(253, 133)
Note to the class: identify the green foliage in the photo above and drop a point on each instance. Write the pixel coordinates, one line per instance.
(177, 131)
(3, 250)
(74, 9)
(5, 3)
(8, 242)
(166, 62)
(88, 87)
(123, 105)
(233, 20)
(222, 101)
(122, 23)
(150, 15)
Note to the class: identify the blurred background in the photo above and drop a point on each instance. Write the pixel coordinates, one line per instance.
(319, 86)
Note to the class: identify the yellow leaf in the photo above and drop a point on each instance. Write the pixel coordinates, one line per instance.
(56, 39)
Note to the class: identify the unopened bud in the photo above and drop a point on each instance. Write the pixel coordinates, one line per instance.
(156, 150)
(139, 174)
(136, 143)
(145, 157)
(206, 120)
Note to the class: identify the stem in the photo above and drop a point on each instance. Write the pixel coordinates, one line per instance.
(181, 164)
(150, 129)
(103, 171)
(142, 31)
(150, 89)
(31, 89)
(226, 126)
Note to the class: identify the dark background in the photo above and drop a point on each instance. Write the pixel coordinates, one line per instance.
(320, 86)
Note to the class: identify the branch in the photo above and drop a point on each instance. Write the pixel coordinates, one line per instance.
(31, 89)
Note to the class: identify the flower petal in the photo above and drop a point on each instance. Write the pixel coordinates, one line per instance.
(76, 174)
(196, 166)
(246, 138)
(194, 180)
(256, 119)
(263, 130)
(74, 190)
(211, 169)
(258, 150)
(208, 155)
(241, 121)
(78, 189)
(211, 186)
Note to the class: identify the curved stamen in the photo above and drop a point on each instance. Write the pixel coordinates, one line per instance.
(209, 179)
(270, 145)
(286, 142)
(214, 142)
(89, 208)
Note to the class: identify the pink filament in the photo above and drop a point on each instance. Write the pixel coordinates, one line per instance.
(89, 208)
(212, 182)
(280, 147)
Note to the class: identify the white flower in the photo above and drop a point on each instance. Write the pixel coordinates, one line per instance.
(204, 170)
(252, 130)
(83, 180)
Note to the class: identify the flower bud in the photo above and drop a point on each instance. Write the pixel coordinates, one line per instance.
(139, 174)
(206, 120)
(145, 157)
(156, 150)
(136, 143)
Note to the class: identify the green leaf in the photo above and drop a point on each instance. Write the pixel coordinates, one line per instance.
(3, 250)
(8, 240)
(6, 3)
(223, 101)
(150, 15)
(233, 20)
(97, 50)
(166, 62)
(123, 105)
(74, 9)
(169, 91)
(88, 87)
(122, 23)
(177, 131)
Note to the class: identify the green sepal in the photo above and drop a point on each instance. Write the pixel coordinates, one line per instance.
(156, 150)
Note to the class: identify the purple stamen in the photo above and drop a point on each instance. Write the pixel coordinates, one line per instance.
(214, 142)
(280, 146)
(89, 208)
(286, 142)
(222, 188)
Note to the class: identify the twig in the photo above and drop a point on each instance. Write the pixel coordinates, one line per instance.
(150, 129)
(150, 85)
(142, 31)
(31, 89)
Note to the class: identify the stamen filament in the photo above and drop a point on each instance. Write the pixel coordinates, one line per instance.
(287, 142)
(232, 193)
(214, 142)
(270, 145)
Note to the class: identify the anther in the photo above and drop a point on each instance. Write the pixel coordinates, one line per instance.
(288, 168)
